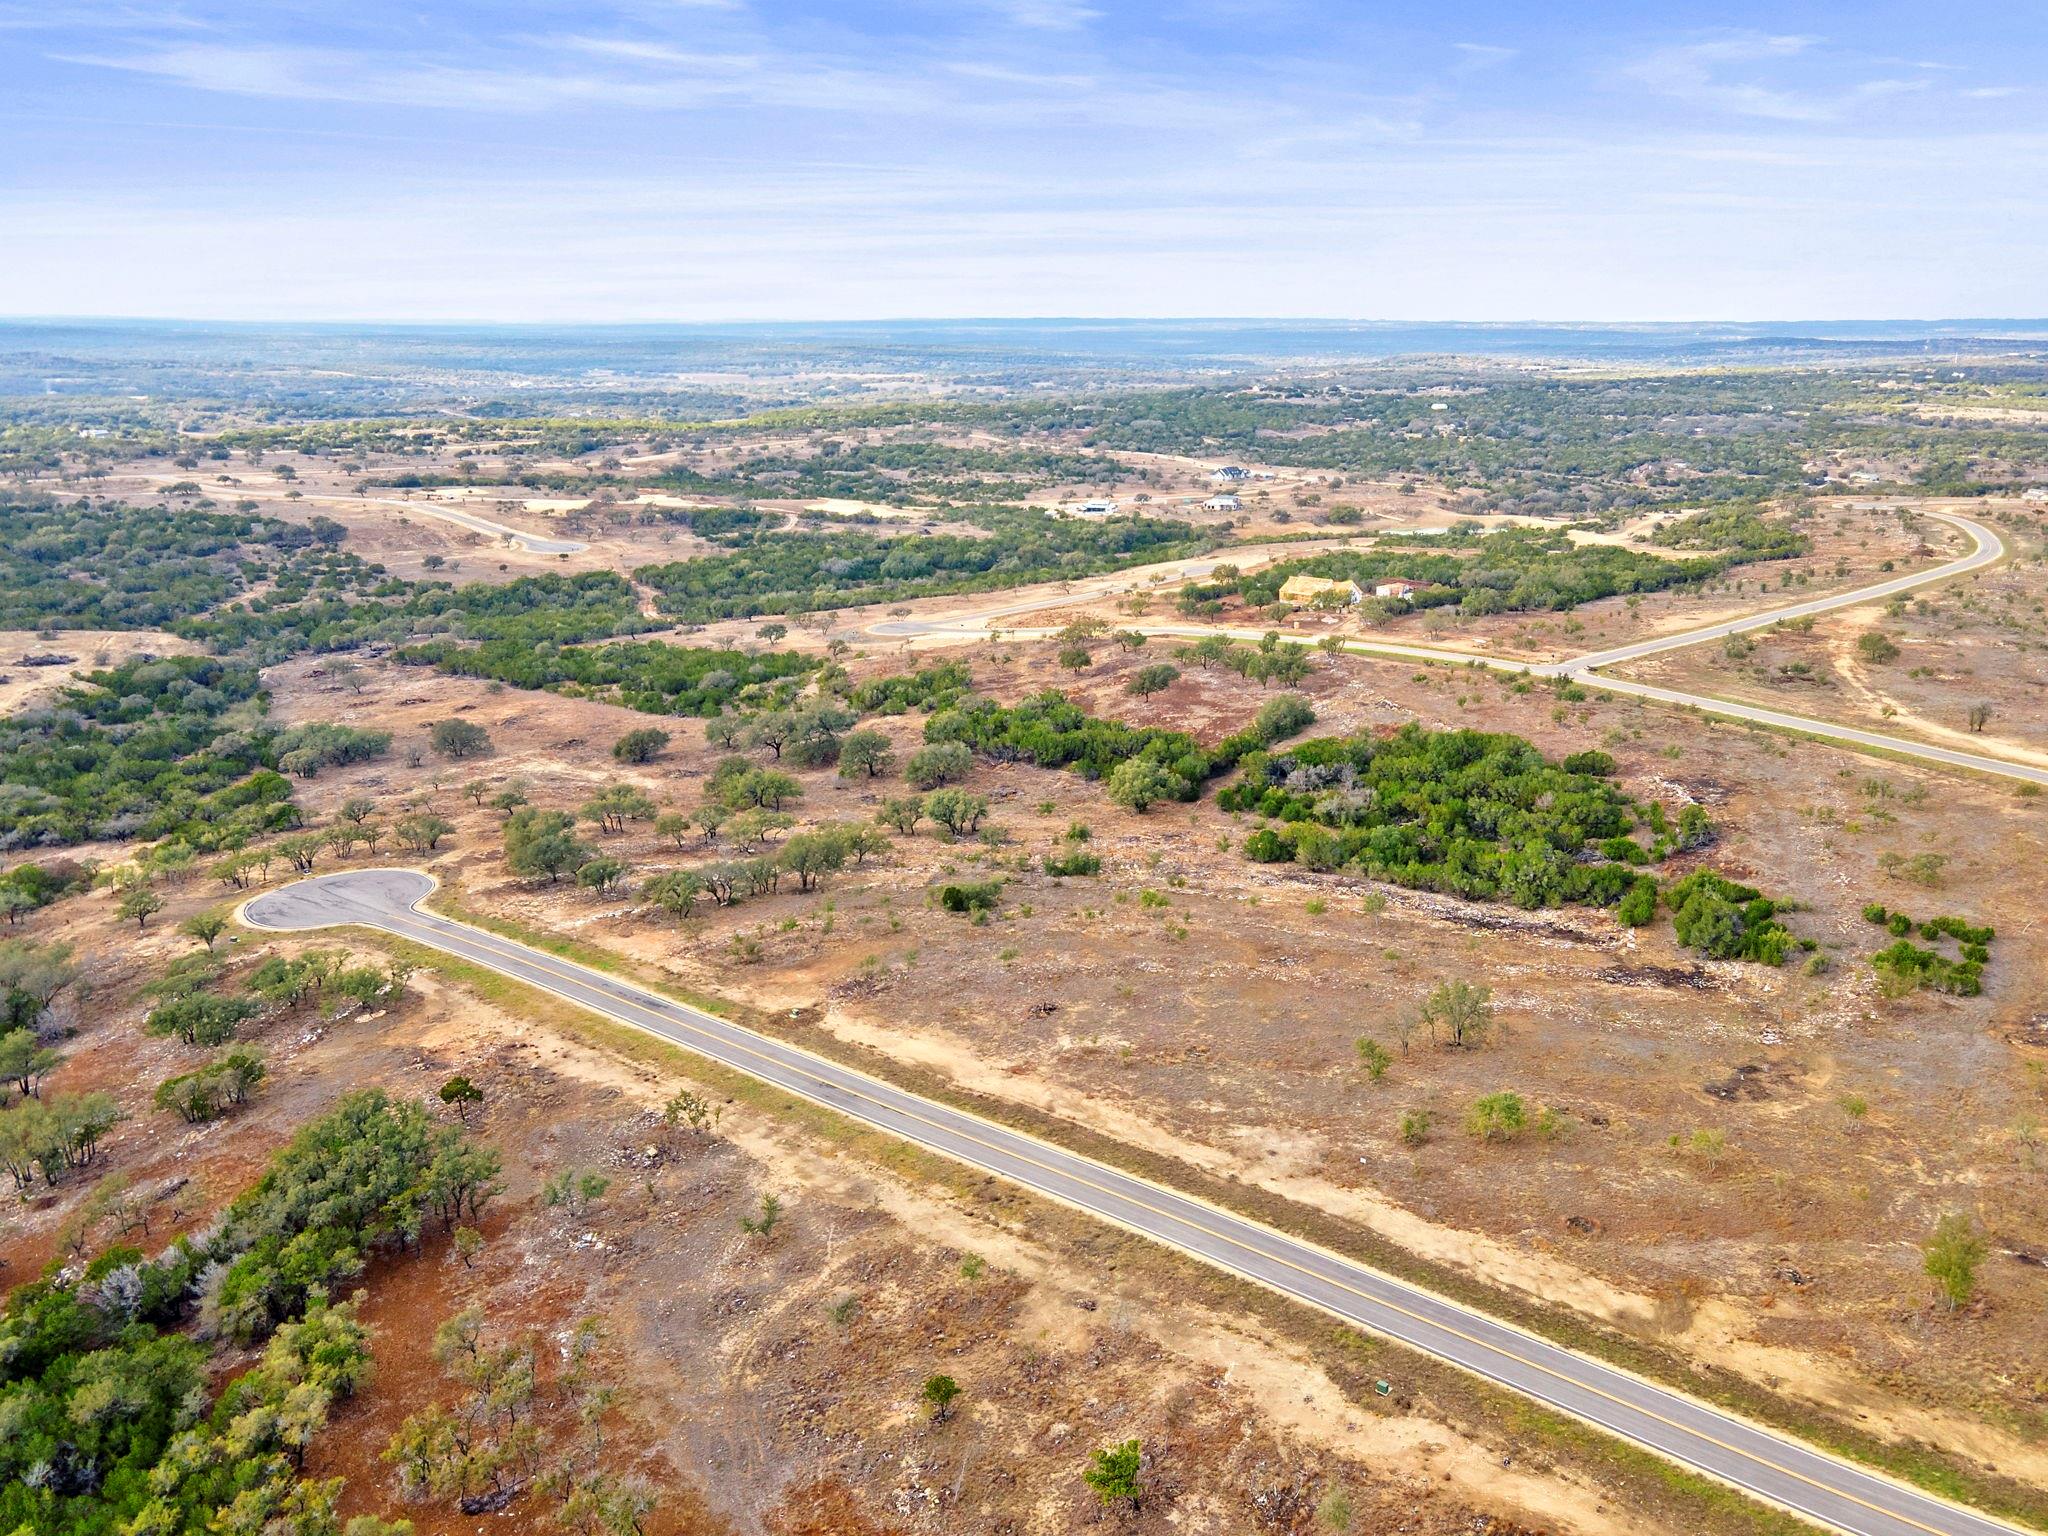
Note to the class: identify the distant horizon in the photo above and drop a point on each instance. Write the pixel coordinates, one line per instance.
(109, 356)
(1049, 320)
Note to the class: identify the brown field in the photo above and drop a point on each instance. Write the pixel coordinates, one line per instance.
(1745, 1164)
(22, 686)
(770, 1383)
(1979, 639)
(1216, 1026)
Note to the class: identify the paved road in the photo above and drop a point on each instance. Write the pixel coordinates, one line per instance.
(1990, 549)
(2004, 767)
(534, 542)
(1783, 1471)
(529, 541)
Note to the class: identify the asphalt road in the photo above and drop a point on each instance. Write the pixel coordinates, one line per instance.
(1773, 1467)
(1989, 551)
(1827, 730)
(536, 543)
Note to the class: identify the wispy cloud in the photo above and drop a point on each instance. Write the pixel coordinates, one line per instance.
(95, 18)
(963, 156)
(1734, 74)
(642, 76)
(1474, 57)
(1699, 72)
(1043, 15)
(982, 92)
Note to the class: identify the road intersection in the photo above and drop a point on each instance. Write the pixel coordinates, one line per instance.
(1833, 1492)
(1987, 550)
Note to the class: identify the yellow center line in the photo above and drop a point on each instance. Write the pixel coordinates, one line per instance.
(582, 975)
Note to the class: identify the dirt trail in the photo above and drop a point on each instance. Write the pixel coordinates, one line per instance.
(1896, 715)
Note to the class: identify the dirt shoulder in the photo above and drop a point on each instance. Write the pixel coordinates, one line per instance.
(1213, 1021)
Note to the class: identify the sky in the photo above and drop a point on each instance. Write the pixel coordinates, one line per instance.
(716, 160)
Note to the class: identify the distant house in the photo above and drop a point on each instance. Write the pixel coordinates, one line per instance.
(1306, 589)
(2035, 493)
(1104, 508)
(1398, 586)
(1222, 503)
(1229, 474)
(1865, 477)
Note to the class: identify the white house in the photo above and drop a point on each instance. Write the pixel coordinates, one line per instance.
(1396, 587)
(2035, 493)
(1104, 508)
(1222, 504)
(1229, 474)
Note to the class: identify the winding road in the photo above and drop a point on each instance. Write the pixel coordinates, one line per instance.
(1774, 1467)
(533, 542)
(1777, 1468)
(1987, 549)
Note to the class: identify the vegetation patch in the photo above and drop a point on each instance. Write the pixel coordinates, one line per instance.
(151, 748)
(1718, 917)
(340, 602)
(1474, 814)
(1052, 731)
(1512, 570)
(810, 572)
(1905, 966)
(1486, 817)
(81, 565)
(647, 675)
(113, 1424)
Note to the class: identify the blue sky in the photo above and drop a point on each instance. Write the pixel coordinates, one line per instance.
(756, 159)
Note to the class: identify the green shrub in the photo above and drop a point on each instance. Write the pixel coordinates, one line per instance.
(938, 764)
(1906, 966)
(641, 745)
(1497, 1117)
(200, 1018)
(1727, 921)
(1072, 860)
(971, 896)
(1638, 908)
(213, 1089)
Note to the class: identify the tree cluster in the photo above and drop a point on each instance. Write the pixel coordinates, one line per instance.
(113, 1423)
(648, 675)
